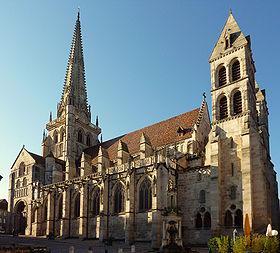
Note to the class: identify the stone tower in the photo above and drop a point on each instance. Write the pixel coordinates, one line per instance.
(239, 139)
(72, 131)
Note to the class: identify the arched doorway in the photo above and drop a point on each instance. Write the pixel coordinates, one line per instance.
(20, 217)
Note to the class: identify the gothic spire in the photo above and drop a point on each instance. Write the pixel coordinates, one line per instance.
(74, 91)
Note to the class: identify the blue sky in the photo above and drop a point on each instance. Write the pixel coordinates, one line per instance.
(145, 60)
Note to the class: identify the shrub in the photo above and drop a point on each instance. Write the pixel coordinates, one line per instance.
(213, 243)
(271, 244)
(258, 243)
(240, 245)
(223, 244)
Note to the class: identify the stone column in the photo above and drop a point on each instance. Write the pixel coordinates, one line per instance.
(50, 218)
(64, 229)
(104, 210)
(83, 212)
(28, 230)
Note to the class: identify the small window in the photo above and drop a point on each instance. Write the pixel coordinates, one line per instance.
(198, 221)
(119, 199)
(222, 76)
(55, 137)
(202, 197)
(18, 183)
(233, 192)
(88, 140)
(231, 143)
(77, 206)
(235, 71)
(24, 182)
(227, 43)
(62, 132)
(96, 202)
(207, 220)
(228, 219)
(237, 103)
(223, 108)
(80, 136)
(232, 170)
(238, 218)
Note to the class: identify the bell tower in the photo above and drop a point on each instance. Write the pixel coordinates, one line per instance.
(72, 131)
(239, 139)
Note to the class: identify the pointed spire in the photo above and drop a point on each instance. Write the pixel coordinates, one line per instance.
(50, 116)
(74, 91)
(231, 37)
(44, 136)
(101, 138)
(96, 122)
(230, 11)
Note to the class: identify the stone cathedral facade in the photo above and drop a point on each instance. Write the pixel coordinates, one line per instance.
(202, 176)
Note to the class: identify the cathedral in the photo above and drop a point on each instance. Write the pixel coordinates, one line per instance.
(198, 176)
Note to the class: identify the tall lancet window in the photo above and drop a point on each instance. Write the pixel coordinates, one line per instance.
(235, 71)
(77, 206)
(237, 103)
(223, 108)
(222, 76)
(145, 195)
(119, 199)
(96, 202)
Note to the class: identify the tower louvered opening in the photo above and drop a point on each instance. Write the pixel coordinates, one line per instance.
(223, 108)
(222, 76)
(237, 103)
(235, 71)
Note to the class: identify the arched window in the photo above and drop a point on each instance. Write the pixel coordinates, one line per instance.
(60, 208)
(55, 137)
(235, 71)
(237, 103)
(222, 76)
(24, 182)
(202, 197)
(96, 202)
(198, 221)
(145, 195)
(207, 220)
(223, 108)
(21, 169)
(80, 136)
(238, 218)
(18, 183)
(77, 206)
(233, 192)
(88, 140)
(119, 199)
(228, 219)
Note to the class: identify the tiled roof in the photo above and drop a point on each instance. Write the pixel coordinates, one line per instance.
(162, 133)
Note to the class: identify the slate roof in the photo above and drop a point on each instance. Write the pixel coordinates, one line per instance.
(160, 134)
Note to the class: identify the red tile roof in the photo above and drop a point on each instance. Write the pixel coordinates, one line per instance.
(161, 133)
